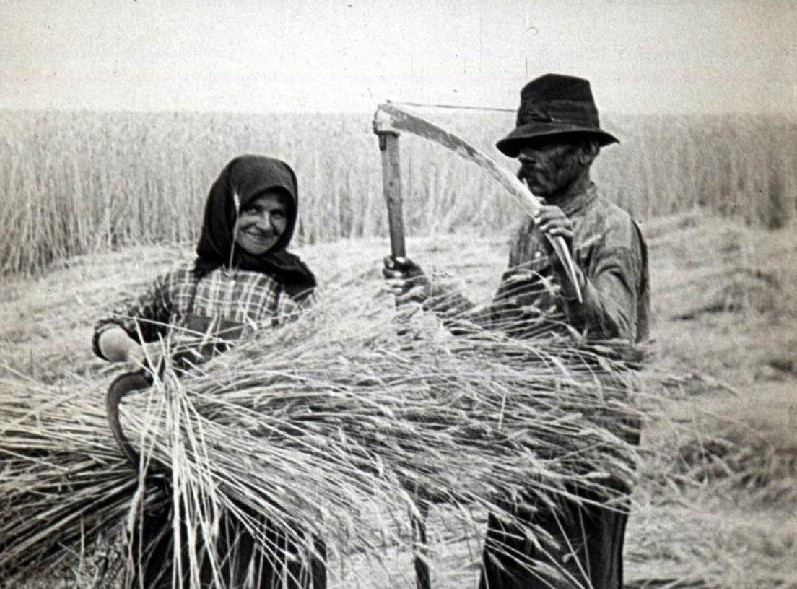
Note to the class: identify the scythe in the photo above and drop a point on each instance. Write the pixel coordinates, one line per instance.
(390, 120)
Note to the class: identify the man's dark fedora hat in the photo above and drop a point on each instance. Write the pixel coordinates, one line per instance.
(551, 105)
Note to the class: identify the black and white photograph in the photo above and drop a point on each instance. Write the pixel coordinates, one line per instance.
(384, 294)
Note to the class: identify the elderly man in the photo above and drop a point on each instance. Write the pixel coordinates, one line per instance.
(556, 138)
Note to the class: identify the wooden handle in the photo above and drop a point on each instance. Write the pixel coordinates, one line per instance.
(391, 186)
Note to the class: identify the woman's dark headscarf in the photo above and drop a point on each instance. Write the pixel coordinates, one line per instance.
(248, 177)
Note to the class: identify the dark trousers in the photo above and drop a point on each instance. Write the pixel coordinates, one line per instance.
(589, 552)
(243, 563)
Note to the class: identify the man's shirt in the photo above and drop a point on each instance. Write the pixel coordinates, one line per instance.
(611, 259)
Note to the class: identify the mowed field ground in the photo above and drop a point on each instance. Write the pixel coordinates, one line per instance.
(717, 506)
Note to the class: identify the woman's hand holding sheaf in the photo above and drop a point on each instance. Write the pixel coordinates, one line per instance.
(117, 346)
(147, 356)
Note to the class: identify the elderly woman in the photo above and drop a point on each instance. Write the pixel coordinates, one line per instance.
(242, 280)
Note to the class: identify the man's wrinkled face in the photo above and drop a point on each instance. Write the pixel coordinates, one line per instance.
(262, 222)
(549, 167)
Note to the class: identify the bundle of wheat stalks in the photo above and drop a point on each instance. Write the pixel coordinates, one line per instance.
(327, 427)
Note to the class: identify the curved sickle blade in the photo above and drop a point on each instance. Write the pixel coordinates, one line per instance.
(390, 118)
(122, 386)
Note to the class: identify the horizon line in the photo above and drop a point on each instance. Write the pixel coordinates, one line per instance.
(471, 109)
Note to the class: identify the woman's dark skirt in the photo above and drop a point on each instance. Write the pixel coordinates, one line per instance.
(243, 563)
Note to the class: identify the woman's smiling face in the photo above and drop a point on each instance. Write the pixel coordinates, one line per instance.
(262, 222)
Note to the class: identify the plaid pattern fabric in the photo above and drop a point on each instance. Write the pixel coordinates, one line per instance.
(252, 299)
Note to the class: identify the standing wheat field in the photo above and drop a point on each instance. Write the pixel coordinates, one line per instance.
(86, 182)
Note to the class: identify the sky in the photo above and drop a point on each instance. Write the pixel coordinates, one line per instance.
(641, 56)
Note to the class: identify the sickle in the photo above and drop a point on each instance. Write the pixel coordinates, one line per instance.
(119, 388)
(389, 119)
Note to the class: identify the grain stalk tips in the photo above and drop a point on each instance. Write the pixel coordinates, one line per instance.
(320, 429)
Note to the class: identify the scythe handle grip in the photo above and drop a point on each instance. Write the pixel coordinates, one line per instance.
(391, 186)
